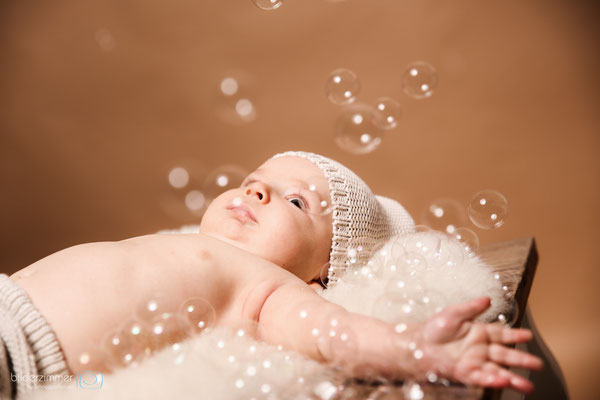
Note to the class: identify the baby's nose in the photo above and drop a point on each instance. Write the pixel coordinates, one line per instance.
(259, 191)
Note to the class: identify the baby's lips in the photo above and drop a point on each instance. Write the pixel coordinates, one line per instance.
(244, 211)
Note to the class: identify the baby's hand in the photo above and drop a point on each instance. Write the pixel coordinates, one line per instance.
(454, 346)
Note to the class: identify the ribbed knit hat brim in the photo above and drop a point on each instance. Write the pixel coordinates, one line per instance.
(362, 221)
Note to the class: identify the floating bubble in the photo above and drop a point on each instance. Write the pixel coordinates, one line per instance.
(410, 263)
(422, 228)
(356, 129)
(179, 177)
(424, 244)
(319, 201)
(341, 339)
(419, 80)
(388, 111)
(510, 314)
(245, 328)
(199, 314)
(222, 179)
(412, 391)
(467, 238)
(445, 215)
(431, 302)
(177, 354)
(128, 345)
(195, 201)
(403, 286)
(234, 101)
(105, 40)
(167, 329)
(182, 197)
(324, 274)
(342, 86)
(354, 254)
(153, 306)
(394, 308)
(268, 4)
(488, 209)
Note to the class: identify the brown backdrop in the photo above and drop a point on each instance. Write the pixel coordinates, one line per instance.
(99, 99)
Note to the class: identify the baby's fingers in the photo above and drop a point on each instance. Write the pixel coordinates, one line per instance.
(501, 334)
(491, 375)
(513, 358)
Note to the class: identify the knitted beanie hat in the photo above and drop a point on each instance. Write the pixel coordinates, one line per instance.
(362, 221)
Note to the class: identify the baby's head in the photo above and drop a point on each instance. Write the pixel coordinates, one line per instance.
(301, 211)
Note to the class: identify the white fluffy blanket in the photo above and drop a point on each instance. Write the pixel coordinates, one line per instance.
(221, 364)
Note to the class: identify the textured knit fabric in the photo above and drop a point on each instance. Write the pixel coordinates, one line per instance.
(362, 221)
(28, 346)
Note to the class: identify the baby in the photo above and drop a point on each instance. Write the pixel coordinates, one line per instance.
(258, 256)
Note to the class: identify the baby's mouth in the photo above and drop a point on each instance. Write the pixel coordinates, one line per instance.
(243, 213)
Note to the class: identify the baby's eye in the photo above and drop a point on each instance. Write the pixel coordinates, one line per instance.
(298, 202)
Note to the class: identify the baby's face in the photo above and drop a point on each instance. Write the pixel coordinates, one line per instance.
(277, 214)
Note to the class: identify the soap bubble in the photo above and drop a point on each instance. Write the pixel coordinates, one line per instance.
(199, 314)
(323, 274)
(182, 197)
(425, 244)
(195, 201)
(105, 40)
(245, 328)
(268, 4)
(403, 286)
(389, 112)
(413, 391)
(319, 201)
(128, 345)
(445, 215)
(394, 308)
(450, 253)
(342, 86)
(222, 179)
(340, 339)
(510, 314)
(467, 238)
(153, 306)
(234, 101)
(410, 263)
(179, 177)
(419, 80)
(356, 129)
(488, 209)
(431, 302)
(422, 228)
(167, 329)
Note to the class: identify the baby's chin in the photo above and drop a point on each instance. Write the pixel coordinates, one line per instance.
(232, 240)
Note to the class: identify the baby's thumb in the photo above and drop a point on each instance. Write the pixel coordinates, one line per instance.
(470, 310)
(446, 323)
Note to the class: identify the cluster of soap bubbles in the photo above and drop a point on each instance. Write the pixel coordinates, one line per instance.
(190, 189)
(154, 325)
(234, 99)
(487, 209)
(359, 128)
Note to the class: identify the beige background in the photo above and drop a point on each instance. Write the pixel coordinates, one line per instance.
(99, 99)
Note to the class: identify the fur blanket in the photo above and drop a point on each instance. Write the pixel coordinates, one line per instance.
(223, 364)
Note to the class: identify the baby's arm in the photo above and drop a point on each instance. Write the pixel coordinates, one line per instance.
(449, 344)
